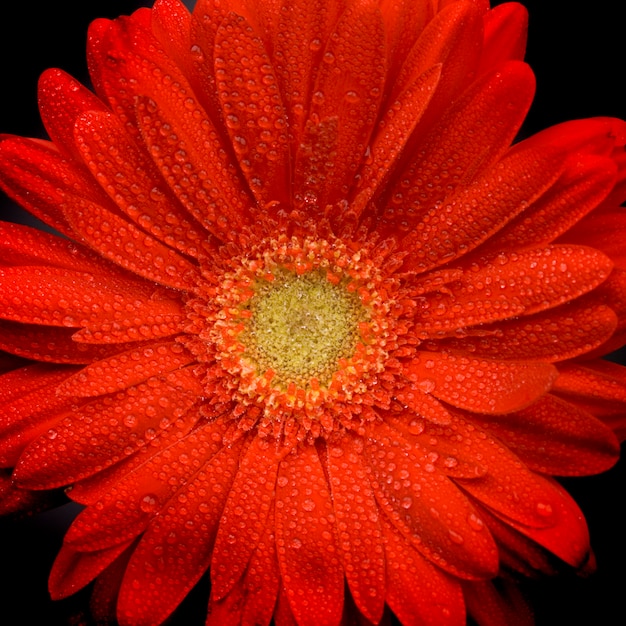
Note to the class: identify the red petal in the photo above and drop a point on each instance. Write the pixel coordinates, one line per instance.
(14, 500)
(176, 549)
(598, 383)
(586, 181)
(491, 111)
(62, 99)
(304, 25)
(359, 536)
(465, 220)
(262, 580)
(30, 407)
(517, 552)
(481, 385)
(498, 603)
(448, 449)
(244, 73)
(562, 333)
(423, 404)
(115, 307)
(453, 40)
(254, 595)
(509, 488)
(305, 537)
(127, 174)
(179, 135)
(145, 488)
(118, 240)
(430, 511)
(95, 488)
(244, 517)
(349, 88)
(22, 245)
(604, 230)
(510, 284)
(505, 35)
(73, 570)
(419, 593)
(36, 176)
(101, 434)
(171, 25)
(394, 133)
(597, 135)
(126, 369)
(554, 437)
(567, 536)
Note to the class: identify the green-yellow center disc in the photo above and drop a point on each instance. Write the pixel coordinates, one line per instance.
(302, 325)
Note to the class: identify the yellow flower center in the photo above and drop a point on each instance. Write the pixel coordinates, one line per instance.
(298, 335)
(301, 326)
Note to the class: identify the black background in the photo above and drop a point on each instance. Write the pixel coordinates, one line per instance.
(577, 52)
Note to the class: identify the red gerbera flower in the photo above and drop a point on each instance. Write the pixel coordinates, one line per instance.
(315, 325)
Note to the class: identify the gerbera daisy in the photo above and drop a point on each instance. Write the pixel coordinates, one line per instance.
(315, 323)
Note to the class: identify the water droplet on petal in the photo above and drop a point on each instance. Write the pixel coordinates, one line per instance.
(455, 537)
(545, 510)
(149, 503)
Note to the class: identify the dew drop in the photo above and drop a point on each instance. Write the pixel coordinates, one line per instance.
(406, 502)
(318, 97)
(149, 503)
(475, 522)
(455, 537)
(545, 510)
(416, 426)
(427, 385)
(308, 505)
(197, 53)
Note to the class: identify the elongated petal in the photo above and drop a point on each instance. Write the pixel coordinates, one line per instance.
(440, 600)
(450, 163)
(349, 87)
(121, 167)
(27, 246)
(62, 99)
(40, 179)
(73, 570)
(58, 297)
(176, 548)
(482, 385)
(579, 444)
(509, 284)
(298, 48)
(568, 536)
(505, 35)
(427, 508)
(144, 489)
(248, 506)
(74, 450)
(586, 181)
(554, 335)
(305, 539)
(259, 136)
(511, 185)
(501, 605)
(360, 543)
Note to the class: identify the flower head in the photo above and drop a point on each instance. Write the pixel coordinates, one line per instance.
(317, 325)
